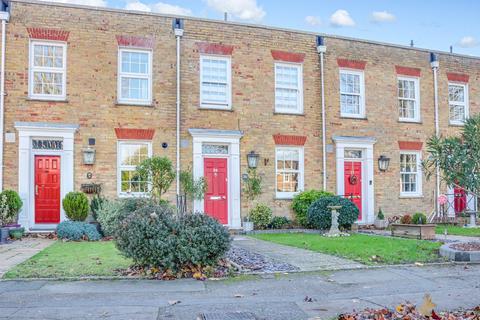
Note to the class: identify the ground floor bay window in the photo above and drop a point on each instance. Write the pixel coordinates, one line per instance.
(289, 171)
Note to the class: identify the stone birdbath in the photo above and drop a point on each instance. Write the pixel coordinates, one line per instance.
(334, 231)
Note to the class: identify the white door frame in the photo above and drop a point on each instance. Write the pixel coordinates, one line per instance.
(225, 137)
(26, 166)
(366, 145)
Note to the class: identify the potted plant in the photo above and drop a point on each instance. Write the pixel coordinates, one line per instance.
(415, 226)
(247, 224)
(380, 221)
(10, 205)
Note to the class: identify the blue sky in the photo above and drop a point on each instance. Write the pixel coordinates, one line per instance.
(430, 24)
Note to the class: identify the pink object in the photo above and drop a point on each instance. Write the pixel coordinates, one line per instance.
(442, 199)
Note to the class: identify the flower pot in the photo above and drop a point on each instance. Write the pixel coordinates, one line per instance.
(248, 226)
(4, 234)
(415, 231)
(381, 224)
(16, 233)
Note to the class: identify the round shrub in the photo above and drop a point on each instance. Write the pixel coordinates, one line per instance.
(153, 237)
(419, 218)
(76, 206)
(202, 241)
(406, 219)
(13, 201)
(320, 216)
(77, 230)
(279, 222)
(261, 216)
(302, 201)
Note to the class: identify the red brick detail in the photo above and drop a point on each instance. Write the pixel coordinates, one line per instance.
(214, 48)
(132, 41)
(289, 140)
(288, 56)
(351, 64)
(410, 145)
(407, 71)
(457, 77)
(48, 34)
(134, 134)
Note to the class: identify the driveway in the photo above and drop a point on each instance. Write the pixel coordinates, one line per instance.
(267, 297)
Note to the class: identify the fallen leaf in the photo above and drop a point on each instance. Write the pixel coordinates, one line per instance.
(427, 306)
(419, 264)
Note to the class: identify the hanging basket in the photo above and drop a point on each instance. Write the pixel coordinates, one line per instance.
(91, 188)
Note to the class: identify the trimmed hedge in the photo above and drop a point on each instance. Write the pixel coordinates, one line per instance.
(153, 237)
(320, 216)
(76, 230)
(76, 206)
(302, 201)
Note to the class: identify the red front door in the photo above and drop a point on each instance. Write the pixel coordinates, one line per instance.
(216, 197)
(47, 189)
(353, 183)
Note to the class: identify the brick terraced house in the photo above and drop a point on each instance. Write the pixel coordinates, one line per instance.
(82, 79)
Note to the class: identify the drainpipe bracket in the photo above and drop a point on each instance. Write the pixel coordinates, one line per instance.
(321, 49)
(178, 32)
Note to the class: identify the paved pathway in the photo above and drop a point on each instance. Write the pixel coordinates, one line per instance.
(18, 251)
(305, 260)
(268, 297)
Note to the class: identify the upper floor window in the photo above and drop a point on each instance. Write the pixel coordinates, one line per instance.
(135, 76)
(352, 94)
(130, 155)
(410, 174)
(48, 65)
(289, 171)
(288, 88)
(215, 82)
(408, 99)
(458, 103)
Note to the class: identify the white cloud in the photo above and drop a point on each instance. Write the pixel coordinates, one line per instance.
(468, 42)
(313, 21)
(159, 7)
(241, 9)
(341, 18)
(383, 16)
(95, 3)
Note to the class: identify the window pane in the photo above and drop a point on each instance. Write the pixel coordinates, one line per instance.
(406, 108)
(135, 62)
(286, 98)
(49, 56)
(408, 172)
(214, 149)
(287, 87)
(134, 88)
(214, 92)
(131, 182)
(457, 113)
(286, 76)
(406, 89)
(133, 154)
(353, 154)
(349, 83)
(350, 104)
(215, 80)
(288, 170)
(456, 93)
(47, 83)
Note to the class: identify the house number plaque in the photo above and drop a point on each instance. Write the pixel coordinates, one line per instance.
(47, 144)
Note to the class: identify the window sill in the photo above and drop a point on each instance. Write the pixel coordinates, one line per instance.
(133, 104)
(410, 121)
(353, 117)
(212, 108)
(301, 114)
(132, 195)
(280, 198)
(457, 124)
(64, 100)
(413, 196)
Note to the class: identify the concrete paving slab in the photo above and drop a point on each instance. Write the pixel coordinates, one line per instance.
(305, 260)
(16, 252)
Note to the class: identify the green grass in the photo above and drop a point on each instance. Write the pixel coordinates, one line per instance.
(367, 249)
(458, 230)
(72, 259)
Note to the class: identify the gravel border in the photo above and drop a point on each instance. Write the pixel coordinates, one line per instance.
(247, 261)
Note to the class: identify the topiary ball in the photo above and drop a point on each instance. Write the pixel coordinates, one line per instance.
(320, 216)
(76, 206)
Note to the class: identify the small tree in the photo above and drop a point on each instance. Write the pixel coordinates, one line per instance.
(458, 158)
(252, 186)
(191, 187)
(159, 172)
(76, 206)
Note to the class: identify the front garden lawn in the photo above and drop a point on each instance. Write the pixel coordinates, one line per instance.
(457, 230)
(72, 259)
(366, 249)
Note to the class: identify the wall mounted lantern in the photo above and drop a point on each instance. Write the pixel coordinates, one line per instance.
(383, 163)
(252, 159)
(88, 155)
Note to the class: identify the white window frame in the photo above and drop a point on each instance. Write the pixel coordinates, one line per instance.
(465, 104)
(33, 69)
(419, 192)
(121, 167)
(213, 105)
(299, 109)
(290, 195)
(361, 113)
(416, 81)
(121, 74)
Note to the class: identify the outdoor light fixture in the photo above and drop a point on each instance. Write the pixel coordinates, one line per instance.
(88, 155)
(252, 159)
(383, 163)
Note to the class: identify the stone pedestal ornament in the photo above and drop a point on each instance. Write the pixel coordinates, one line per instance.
(473, 219)
(334, 231)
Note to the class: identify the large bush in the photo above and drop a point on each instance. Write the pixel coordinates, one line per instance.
(153, 237)
(320, 216)
(261, 216)
(111, 213)
(279, 222)
(76, 230)
(76, 206)
(302, 201)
